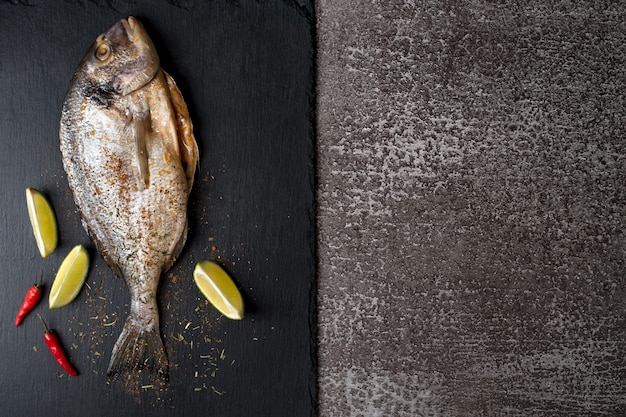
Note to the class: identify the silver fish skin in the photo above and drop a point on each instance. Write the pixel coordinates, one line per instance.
(130, 157)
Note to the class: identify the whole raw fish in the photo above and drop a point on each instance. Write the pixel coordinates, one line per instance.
(130, 158)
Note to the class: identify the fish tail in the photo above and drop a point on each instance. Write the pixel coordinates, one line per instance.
(138, 347)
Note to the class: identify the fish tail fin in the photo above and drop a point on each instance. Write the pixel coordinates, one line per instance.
(138, 347)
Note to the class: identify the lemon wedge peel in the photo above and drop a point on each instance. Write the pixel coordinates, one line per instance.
(218, 287)
(43, 221)
(70, 277)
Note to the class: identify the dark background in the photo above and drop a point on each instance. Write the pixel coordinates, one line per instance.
(245, 70)
(472, 208)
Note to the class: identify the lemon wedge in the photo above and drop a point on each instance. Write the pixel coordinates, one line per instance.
(70, 277)
(217, 286)
(43, 221)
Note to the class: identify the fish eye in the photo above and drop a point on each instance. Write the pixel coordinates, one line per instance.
(103, 51)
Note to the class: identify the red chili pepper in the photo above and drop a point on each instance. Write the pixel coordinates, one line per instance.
(33, 295)
(56, 349)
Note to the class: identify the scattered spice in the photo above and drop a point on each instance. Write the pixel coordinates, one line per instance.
(216, 391)
(110, 324)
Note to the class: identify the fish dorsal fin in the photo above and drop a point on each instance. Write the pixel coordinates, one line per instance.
(187, 145)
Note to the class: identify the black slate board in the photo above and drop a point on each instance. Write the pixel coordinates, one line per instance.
(245, 69)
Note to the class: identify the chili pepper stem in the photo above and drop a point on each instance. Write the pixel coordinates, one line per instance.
(44, 323)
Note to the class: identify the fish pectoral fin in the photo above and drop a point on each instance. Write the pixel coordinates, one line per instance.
(141, 129)
(188, 148)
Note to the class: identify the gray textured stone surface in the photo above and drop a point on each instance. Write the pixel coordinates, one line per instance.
(472, 203)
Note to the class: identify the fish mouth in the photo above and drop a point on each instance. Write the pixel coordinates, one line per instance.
(131, 26)
(141, 61)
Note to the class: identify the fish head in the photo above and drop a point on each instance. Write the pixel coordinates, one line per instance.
(123, 58)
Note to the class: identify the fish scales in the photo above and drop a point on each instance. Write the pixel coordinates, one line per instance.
(130, 156)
